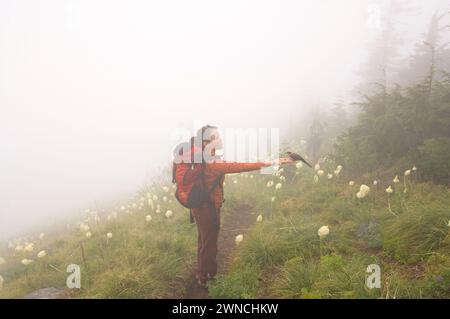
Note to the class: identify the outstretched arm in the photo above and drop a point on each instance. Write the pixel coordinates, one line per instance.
(232, 168)
(222, 168)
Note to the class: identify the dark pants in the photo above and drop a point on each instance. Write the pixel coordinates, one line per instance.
(208, 234)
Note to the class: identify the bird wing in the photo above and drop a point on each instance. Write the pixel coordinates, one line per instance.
(296, 157)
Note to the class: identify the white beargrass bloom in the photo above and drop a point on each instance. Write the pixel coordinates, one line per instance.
(251, 176)
(299, 165)
(317, 167)
(42, 254)
(364, 188)
(323, 231)
(363, 191)
(414, 169)
(273, 199)
(150, 203)
(320, 172)
(155, 197)
(408, 172)
(109, 235)
(239, 239)
(148, 218)
(278, 186)
(27, 262)
(375, 182)
(235, 181)
(88, 234)
(337, 171)
(396, 180)
(351, 183)
(2, 261)
(164, 199)
(29, 247)
(316, 178)
(165, 189)
(259, 218)
(270, 184)
(282, 178)
(389, 190)
(169, 214)
(330, 176)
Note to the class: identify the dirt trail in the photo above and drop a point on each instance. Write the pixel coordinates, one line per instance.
(48, 293)
(233, 224)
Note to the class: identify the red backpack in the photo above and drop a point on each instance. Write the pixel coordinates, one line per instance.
(191, 191)
(188, 176)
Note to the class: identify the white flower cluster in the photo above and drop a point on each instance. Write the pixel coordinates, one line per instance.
(323, 231)
(363, 191)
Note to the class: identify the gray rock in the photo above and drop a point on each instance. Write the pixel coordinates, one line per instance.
(48, 293)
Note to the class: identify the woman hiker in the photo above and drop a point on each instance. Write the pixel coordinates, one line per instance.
(212, 172)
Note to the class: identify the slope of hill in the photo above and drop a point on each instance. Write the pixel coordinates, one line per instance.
(406, 233)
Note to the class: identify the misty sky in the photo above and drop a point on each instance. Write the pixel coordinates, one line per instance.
(91, 91)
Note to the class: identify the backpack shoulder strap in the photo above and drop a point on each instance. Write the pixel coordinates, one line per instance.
(174, 172)
(214, 185)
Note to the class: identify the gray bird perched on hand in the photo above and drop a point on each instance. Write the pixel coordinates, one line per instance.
(296, 157)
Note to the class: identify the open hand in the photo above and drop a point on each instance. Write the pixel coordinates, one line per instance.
(286, 160)
(282, 161)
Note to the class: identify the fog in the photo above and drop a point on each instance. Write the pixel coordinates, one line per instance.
(92, 91)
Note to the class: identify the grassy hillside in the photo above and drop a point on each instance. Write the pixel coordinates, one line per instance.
(143, 259)
(282, 256)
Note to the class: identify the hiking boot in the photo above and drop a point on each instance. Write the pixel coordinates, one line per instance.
(201, 282)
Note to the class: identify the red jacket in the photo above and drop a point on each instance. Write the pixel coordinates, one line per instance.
(217, 170)
(214, 173)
